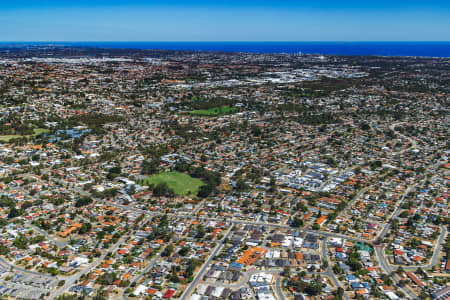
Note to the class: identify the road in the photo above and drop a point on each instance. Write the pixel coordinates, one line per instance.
(199, 206)
(199, 275)
(379, 251)
(396, 212)
(149, 266)
(74, 278)
(279, 289)
(8, 265)
(44, 233)
(434, 259)
(50, 238)
(235, 222)
(412, 141)
(197, 278)
(437, 248)
(329, 270)
(357, 197)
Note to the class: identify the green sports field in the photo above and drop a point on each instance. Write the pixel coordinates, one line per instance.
(7, 138)
(216, 111)
(182, 184)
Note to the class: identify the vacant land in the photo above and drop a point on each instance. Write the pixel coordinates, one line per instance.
(216, 111)
(182, 184)
(7, 138)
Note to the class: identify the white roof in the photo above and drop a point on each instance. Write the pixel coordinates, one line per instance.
(140, 289)
(195, 297)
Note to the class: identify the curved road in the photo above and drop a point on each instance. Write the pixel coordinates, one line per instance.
(379, 251)
(325, 234)
(7, 264)
(434, 258)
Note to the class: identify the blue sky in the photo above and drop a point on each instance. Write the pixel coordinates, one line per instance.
(201, 20)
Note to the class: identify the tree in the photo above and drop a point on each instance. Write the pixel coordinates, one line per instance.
(313, 288)
(85, 227)
(205, 190)
(54, 271)
(200, 231)
(26, 205)
(13, 213)
(403, 282)
(297, 222)
(340, 293)
(386, 279)
(4, 250)
(162, 189)
(394, 223)
(168, 250)
(273, 185)
(150, 167)
(113, 173)
(83, 201)
(415, 242)
(241, 185)
(107, 278)
(182, 167)
(67, 297)
(100, 294)
(132, 189)
(354, 261)
(6, 201)
(337, 269)
(184, 251)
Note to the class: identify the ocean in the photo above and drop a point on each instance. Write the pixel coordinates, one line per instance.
(428, 49)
